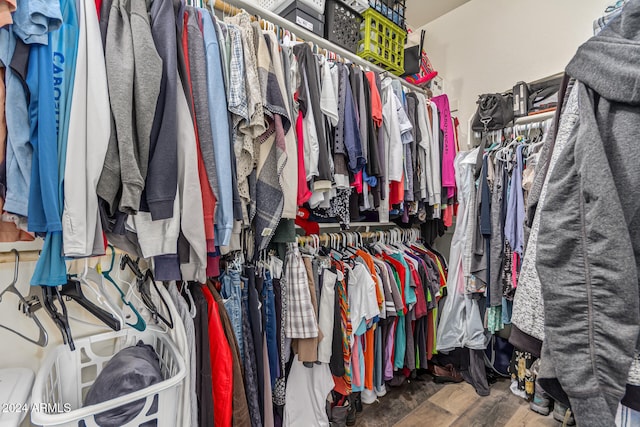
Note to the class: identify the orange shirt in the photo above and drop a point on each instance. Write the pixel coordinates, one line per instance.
(376, 102)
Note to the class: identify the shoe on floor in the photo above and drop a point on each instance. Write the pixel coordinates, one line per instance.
(357, 402)
(368, 397)
(446, 374)
(381, 391)
(563, 414)
(540, 405)
(516, 390)
(351, 415)
(541, 402)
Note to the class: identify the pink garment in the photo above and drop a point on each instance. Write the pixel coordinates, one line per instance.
(356, 375)
(447, 216)
(515, 266)
(303, 189)
(449, 146)
(388, 353)
(357, 182)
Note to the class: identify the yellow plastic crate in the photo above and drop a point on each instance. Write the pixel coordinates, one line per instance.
(382, 42)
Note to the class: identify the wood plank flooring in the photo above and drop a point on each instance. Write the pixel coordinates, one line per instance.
(424, 403)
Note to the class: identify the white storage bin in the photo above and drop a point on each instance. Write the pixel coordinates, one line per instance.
(66, 376)
(277, 6)
(15, 391)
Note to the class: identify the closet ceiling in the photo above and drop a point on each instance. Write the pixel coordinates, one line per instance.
(421, 12)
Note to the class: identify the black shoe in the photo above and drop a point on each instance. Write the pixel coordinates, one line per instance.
(351, 415)
(357, 402)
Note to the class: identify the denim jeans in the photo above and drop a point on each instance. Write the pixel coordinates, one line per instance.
(271, 327)
(231, 292)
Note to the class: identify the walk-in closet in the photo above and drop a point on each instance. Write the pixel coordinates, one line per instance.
(319, 213)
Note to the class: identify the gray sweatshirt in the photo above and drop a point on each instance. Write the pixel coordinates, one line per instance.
(134, 72)
(589, 269)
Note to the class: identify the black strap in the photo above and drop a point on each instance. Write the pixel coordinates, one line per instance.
(480, 156)
(422, 34)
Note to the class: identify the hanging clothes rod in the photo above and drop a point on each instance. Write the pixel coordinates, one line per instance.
(533, 118)
(32, 255)
(233, 7)
(326, 237)
(338, 237)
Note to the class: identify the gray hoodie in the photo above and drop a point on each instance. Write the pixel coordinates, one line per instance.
(589, 269)
(134, 74)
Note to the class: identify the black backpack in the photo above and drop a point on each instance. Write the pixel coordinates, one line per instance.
(495, 111)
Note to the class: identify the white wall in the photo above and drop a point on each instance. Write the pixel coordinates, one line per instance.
(489, 45)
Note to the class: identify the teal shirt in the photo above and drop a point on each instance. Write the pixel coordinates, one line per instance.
(51, 269)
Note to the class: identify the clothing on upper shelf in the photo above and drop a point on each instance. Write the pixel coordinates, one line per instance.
(298, 130)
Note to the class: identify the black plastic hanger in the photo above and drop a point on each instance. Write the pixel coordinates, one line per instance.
(73, 290)
(143, 281)
(51, 295)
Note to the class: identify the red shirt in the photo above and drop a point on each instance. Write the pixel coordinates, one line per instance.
(303, 189)
(421, 303)
(221, 364)
(98, 7)
(401, 276)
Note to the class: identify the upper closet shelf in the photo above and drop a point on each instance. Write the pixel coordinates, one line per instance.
(234, 6)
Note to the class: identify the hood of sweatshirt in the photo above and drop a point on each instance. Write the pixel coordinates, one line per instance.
(608, 62)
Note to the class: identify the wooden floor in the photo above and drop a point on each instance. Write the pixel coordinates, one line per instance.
(424, 403)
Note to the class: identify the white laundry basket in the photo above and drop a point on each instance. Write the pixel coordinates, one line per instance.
(66, 376)
(277, 6)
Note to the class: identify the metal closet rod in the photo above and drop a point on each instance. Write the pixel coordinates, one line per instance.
(234, 7)
(32, 255)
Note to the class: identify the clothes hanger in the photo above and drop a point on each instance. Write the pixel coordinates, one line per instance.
(186, 292)
(73, 291)
(347, 248)
(51, 295)
(144, 288)
(93, 280)
(27, 306)
(140, 324)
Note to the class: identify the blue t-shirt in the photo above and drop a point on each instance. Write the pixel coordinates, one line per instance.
(34, 19)
(19, 150)
(61, 63)
(220, 127)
